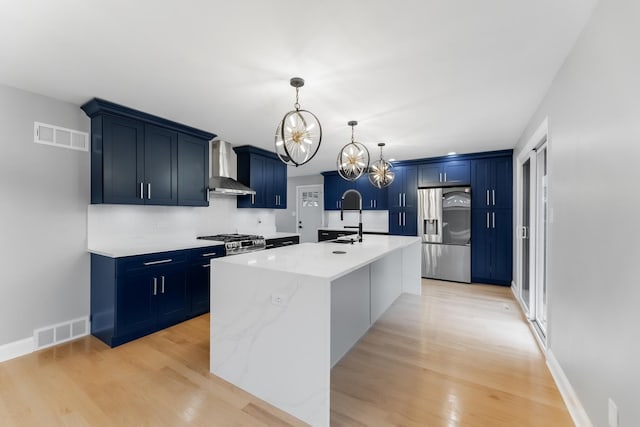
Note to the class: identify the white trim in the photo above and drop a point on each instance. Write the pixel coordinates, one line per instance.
(16, 349)
(576, 410)
(535, 140)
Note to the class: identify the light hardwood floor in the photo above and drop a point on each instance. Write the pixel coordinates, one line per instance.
(460, 355)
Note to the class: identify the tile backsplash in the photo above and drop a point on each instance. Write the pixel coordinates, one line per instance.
(109, 223)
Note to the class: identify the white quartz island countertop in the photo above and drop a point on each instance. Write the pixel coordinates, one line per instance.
(282, 318)
(319, 259)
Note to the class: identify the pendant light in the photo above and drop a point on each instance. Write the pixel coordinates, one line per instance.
(299, 133)
(353, 159)
(380, 172)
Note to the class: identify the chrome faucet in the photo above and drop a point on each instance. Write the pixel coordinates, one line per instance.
(352, 201)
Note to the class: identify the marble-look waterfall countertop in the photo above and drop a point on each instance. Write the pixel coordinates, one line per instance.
(319, 260)
(129, 247)
(282, 318)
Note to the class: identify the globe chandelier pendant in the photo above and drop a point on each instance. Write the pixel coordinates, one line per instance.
(381, 171)
(299, 133)
(353, 158)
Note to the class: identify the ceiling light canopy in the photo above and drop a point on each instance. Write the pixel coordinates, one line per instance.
(299, 133)
(353, 159)
(380, 172)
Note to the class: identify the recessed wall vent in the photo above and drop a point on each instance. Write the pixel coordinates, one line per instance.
(61, 332)
(60, 137)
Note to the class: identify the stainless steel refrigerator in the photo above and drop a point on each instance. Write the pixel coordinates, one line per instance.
(444, 222)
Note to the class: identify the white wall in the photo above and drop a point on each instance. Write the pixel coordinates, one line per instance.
(44, 192)
(593, 107)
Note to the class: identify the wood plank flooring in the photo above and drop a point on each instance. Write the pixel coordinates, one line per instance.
(460, 355)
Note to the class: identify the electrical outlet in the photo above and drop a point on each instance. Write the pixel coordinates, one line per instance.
(613, 414)
(278, 299)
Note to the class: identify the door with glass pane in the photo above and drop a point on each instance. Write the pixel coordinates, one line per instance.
(533, 236)
(541, 237)
(525, 232)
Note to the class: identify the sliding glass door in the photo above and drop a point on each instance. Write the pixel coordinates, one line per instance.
(541, 238)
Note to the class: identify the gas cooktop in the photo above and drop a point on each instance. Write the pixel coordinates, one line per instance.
(239, 243)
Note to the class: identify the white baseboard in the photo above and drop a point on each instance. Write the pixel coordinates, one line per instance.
(576, 410)
(16, 349)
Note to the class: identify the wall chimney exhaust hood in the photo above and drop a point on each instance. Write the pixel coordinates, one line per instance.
(223, 171)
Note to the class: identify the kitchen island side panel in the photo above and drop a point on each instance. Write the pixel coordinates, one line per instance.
(270, 336)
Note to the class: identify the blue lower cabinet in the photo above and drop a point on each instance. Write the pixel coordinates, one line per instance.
(199, 277)
(491, 246)
(137, 295)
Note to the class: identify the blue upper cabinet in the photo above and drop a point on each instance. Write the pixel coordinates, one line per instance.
(444, 174)
(373, 198)
(334, 188)
(264, 173)
(193, 173)
(160, 166)
(403, 201)
(492, 183)
(137, 158)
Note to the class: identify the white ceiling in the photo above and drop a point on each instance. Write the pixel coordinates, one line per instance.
(425, 76)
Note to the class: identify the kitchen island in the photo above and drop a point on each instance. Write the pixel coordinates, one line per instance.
(281, 319)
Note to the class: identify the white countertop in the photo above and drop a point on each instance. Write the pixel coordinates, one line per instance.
(142, 247)
(318, 259)
(279, 235)
(355, 230)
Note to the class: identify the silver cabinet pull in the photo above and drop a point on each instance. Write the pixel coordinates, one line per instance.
(404, 199)
(404, 219)
(148, 190)
(487, 219)
(493, 215)
(142, 190)
(253, 199)
(208, 194)
(493, 196)
(400, 219)
(209, 254)
(487, 197)
(399, 199)
(162, 284)
(162, 261)
(206, 265)
(155, 286)
(445, 177)
(287, 243)
(375, 203)
(440, 178)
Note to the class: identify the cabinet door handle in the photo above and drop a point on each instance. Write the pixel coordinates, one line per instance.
(163, 284)
(155, 286)
(206, 265)
(162, 261)
(287, 243)
(493, 196)
(445, 177)
(253, 199)
(404, 200)
(375, 203)
(487, 219)
(208, 194)
(400, 219)
(148, 190)
(209, 254)
(440, 177)
(487, 197)
(142, 190)
(399, 199)
(493, 215)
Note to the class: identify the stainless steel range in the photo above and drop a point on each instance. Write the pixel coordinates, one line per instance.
(235, 244)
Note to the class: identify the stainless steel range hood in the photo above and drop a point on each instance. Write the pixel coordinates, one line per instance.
(223, 167)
